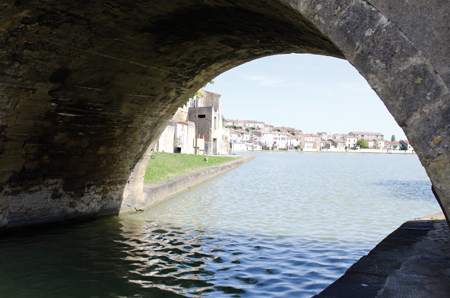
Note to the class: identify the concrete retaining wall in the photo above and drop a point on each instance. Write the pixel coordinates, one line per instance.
(157, 192)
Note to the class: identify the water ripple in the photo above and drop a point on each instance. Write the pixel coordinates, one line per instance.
(203, 262)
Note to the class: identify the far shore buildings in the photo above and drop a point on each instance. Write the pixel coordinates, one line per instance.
(198, 128)
(247, 135)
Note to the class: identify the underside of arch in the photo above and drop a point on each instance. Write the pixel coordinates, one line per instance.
(87, 87)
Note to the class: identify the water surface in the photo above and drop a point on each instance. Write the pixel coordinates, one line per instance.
(281, 225)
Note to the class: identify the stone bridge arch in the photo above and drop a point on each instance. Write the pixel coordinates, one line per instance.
(86, 87)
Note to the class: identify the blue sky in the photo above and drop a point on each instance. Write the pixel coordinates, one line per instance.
(309, 92)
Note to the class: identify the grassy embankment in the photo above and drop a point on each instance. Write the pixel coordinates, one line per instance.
(164, 166)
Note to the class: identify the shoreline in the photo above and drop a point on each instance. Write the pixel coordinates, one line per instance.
(162, 190)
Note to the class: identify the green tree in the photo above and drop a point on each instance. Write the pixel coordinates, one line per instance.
(404, 147)
(361, 143)
(393, 138)
(248, 130)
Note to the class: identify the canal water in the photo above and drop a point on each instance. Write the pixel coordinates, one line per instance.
(281, 225)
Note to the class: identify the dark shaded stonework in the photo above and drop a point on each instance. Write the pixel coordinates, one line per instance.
(86, 87)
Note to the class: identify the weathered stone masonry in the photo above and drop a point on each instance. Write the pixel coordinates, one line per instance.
(86, 87)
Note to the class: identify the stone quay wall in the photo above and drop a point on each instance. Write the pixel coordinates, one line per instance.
(157, 192)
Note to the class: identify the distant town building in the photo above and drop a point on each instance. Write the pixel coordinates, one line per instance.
(279, 140)
(292, 141)
(284, 129)
(338, 136)
(393, 145)
(234, 123)
(265, 137)
(406, 144)
(234, 135)
(254, 124)
(339, 144)
(205, 111)
(307, 142)
(350, 141)
(178, 136)
(197, 128)
(323, 135)
(268, 127)
(366, 135)
(371, 143)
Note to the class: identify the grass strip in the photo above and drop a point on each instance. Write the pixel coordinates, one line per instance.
(163, 166)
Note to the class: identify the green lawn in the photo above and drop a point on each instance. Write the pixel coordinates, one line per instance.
(164, 166)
